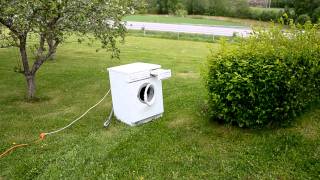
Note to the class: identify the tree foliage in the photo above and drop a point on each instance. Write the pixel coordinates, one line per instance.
(207, 7)
(237, 8)
(53, 20)
(304, 9)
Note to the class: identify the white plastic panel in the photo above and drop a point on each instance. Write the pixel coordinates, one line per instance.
(134, 68)
(138, 76)
(161, 74)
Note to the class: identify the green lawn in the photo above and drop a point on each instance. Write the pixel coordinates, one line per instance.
(183, 144)
(181, 20)
(177, 36)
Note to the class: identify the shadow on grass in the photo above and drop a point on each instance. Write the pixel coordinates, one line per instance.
(38, 99)
(25, 99)
(204, 112)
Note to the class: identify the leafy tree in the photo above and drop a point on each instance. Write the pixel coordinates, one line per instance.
(316, 15)
(218, 7)
(172, 6)
(53, 21)
(279, 3)
(197, 6)
(304, 8)
(162, 6)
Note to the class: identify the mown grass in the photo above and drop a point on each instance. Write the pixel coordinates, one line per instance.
(177, 36)
(183, 144)
(181, 20)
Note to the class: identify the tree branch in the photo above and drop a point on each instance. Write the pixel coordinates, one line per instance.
(23, 53)
(41, 59)
(8, 23)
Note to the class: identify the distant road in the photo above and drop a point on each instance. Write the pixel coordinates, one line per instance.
(184, 28)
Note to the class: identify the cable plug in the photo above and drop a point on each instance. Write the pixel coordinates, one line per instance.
(42, 136)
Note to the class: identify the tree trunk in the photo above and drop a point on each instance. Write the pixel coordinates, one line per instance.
(31, 86)
(30, 77)
(53, 56)
(24, 56)
(40, 59)
(266, 2)
(270, 1)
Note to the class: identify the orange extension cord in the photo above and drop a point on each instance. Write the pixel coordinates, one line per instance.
(11, 149)
(19, 145)
(43, 135)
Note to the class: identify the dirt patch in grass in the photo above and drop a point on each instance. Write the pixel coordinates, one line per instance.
(180, 121)
(309, 127)
(114, 128)
(188, 75)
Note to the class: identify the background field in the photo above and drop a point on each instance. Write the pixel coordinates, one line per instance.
(182, 20)
(183, 144)
(199, 20)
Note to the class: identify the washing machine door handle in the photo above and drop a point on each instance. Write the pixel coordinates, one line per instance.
(145, 96)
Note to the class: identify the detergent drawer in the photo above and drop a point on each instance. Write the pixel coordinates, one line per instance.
(137, 76)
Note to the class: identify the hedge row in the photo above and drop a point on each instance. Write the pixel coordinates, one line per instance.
(270, 77)
(230, 8)
(264, 14)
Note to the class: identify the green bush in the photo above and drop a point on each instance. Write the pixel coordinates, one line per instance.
(267, 78)
(305, 7)
(180, 10)
(181, 13)
(268, 15)
(265, 14)
(302, 19)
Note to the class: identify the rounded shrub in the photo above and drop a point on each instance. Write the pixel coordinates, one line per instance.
(268, 15)
(180, 10)
(267, 78)
(264, 14)
(181, 13)
(302, 19)
(254, 14)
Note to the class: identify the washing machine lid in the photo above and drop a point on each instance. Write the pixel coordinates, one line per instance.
(135, 71)
(134, 68)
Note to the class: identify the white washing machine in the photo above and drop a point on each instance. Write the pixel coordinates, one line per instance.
(137, 92)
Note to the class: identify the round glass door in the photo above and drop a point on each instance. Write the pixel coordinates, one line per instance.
(146, 94)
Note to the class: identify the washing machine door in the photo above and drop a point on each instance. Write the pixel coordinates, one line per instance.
(146, 94)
